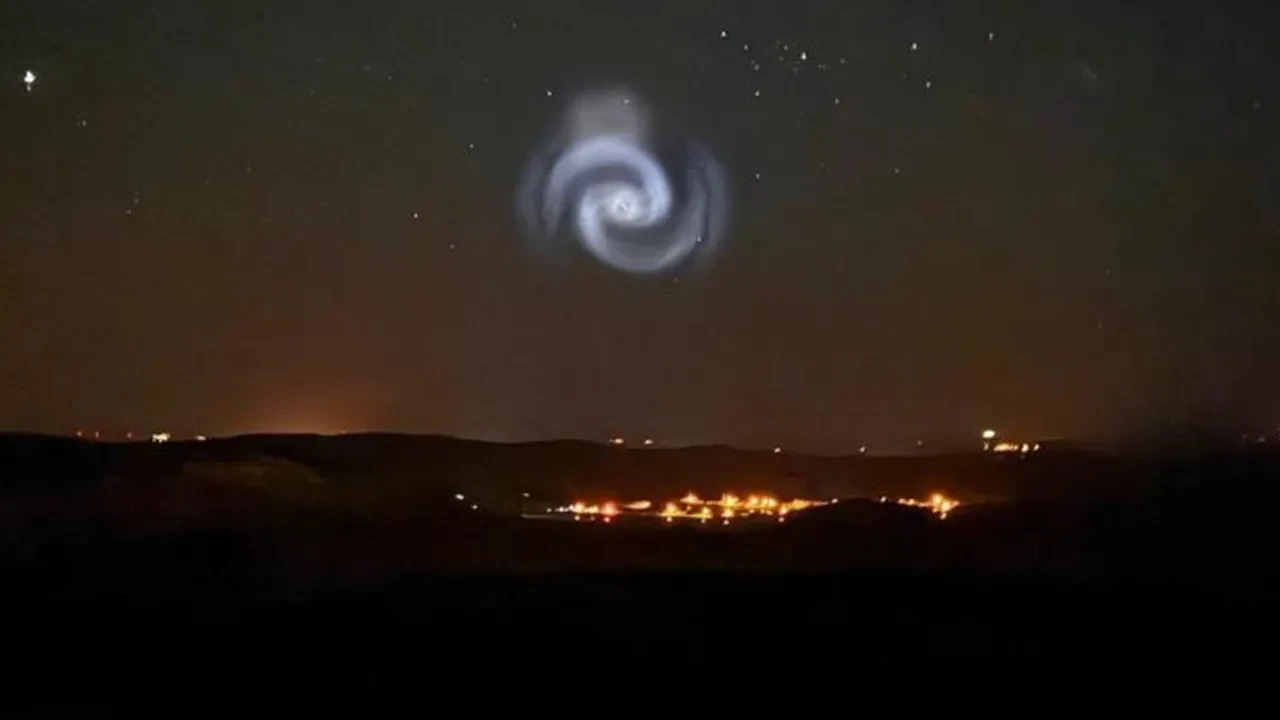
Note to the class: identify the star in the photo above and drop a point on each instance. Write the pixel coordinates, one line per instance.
(29, 79)
(837, 101)
(915, 47)
(724, 34)
(804, 55)
(550, 93)
(991, 36)
(928, 84)
(757, 93)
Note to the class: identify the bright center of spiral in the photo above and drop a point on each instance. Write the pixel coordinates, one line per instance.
(626, 206)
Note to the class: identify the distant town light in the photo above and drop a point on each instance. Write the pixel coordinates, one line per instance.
(161, 437)
(988, 434)
(648, 441)
(459, 496)
(937, 503)
(201, 438)
(777, 449)
(616, 441)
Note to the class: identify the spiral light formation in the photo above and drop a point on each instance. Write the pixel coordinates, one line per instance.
(630, 205)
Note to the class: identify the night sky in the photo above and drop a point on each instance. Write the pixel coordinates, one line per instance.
(1052, 218)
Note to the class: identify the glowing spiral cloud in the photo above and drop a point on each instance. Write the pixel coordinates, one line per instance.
(635, 200)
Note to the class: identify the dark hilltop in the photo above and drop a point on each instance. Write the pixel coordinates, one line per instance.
(150, 551)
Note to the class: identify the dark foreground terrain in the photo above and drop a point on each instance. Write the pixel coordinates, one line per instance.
(312, 568)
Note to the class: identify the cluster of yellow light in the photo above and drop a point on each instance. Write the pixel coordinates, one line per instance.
(733, 506)
(580, 508)
(1010, 447)
(727, 508)
(938, 504)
